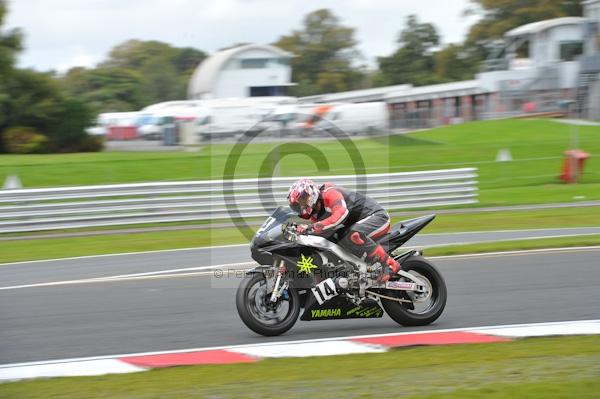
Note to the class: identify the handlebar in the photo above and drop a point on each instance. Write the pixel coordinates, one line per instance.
(290, 230)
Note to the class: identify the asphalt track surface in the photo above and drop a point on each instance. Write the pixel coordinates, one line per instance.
(111, 265)
(191, 311)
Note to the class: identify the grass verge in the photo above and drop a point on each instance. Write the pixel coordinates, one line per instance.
(49, 248)
(515, 245)
(531, 177)
(559, 367)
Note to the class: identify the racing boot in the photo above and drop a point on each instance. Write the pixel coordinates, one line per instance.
(389, 265)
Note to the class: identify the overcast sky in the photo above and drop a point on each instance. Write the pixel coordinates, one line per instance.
(60, 34)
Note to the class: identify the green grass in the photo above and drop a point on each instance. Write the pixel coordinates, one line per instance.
(48, 248)
(536, 146)
(564, 367)
(105, 167)
(512, 220)
(514, 245)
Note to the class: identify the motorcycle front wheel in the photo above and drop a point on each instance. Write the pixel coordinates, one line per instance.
(259, 314)
(422, 309)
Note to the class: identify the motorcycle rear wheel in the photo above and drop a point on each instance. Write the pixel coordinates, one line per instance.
(256, 311)
(406, 314)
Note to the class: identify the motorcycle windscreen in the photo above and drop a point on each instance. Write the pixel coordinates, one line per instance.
(270, 233)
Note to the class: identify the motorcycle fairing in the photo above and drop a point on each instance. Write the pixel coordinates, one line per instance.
(339, 307)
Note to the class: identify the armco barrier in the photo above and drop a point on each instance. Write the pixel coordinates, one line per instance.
(24, 210)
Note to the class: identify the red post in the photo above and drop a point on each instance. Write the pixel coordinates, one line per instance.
(573, 165)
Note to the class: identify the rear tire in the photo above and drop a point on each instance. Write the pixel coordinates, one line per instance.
(250, 311)
(401, 312)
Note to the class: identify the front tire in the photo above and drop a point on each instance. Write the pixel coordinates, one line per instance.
(408, 314)
(256, 311)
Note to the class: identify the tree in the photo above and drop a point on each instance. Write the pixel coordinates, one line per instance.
(186, 59)
(68, 134)
(572, 7)
(35, 100)
(134, 54)
(10, 45)
(413, 61)
(107, 88)
(159, 81)
(324, 51)
(32, 102)
(38, 101)
(164, 70)
(455, 62)
(137, 73)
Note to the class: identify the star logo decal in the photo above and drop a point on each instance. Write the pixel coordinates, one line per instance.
(305, 265)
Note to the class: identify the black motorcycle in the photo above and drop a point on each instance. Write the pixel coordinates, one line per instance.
(313, 273)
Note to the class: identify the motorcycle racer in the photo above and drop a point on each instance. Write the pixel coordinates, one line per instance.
(364, 220)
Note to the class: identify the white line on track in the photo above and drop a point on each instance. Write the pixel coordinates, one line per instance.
(192, 271)
(209, 270)
(187, 269)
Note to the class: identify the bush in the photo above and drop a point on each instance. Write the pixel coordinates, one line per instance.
(24, 140)
(91, 144)
(68, 133)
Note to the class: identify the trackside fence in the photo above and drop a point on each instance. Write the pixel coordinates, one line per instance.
(26, 210)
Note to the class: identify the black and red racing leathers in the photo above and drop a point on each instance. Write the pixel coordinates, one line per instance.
(364, 219)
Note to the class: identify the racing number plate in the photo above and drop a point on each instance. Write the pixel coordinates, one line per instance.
(324, 291)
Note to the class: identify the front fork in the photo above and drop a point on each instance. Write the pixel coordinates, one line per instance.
(281, 284)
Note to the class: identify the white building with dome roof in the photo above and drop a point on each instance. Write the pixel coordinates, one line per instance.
(250, 70)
